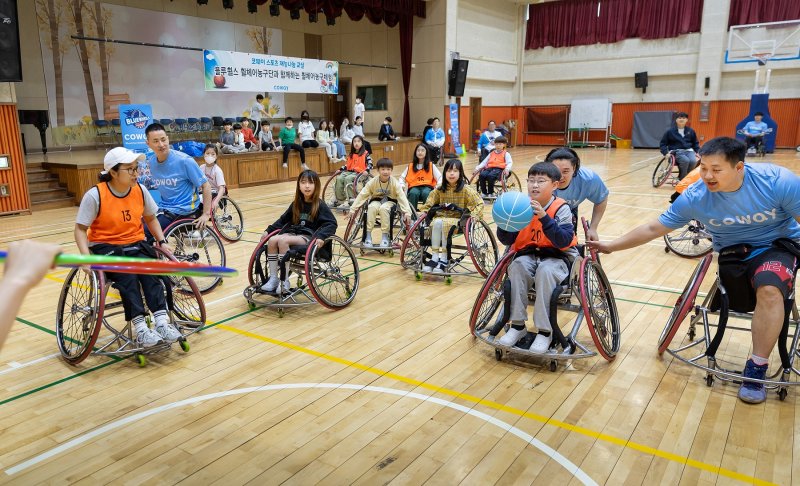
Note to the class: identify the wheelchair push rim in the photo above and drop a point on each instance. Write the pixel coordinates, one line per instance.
(329, 195)
(333, 283)
(690, 241)
(228, 220)
(663, 170)
(185, 299)
(480, 241)
(85, 318)
(261, 248)
(490, 297)
(599, 308)
(411, 250)
(684, 304)
(196, 245)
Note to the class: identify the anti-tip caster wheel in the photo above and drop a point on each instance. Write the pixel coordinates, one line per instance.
(709, 380)
(666, 249)
(498, 354)
(391, 253)
(142, 360)
(782, 393)
(553, 365)
(448, 280)
(362, 252)
(418, 276)
(280, 313)
(690, 335)
(184, 346)
(250, 306)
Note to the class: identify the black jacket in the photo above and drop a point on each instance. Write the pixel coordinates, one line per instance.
(386, 132)
(672, 140)
(322, 227)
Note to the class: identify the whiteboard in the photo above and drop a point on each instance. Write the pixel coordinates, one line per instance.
(590, 113)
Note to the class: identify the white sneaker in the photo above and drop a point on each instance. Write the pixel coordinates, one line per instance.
(441, 267)
(511, 337)
(147, 338)
(385, 243)
(368, 240)
(430, 265)
(305, 167)
(272, 284)
(168, 333)
(344, 206)
(287, 285)
(541, 344)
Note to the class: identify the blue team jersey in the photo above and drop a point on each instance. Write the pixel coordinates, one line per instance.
(755, 128)
(177, 180)
(761, 211)
(585, 185)
(434, 135)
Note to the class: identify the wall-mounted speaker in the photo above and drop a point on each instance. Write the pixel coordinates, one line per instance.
(640, 79)
(708, 83)
(457, 78)
(10, 60)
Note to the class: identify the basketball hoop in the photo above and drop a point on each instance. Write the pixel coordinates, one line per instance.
(761, 57)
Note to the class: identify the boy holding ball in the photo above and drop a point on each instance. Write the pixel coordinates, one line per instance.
(543, 249)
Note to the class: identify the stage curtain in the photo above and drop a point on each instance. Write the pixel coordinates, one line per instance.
(406, 43)
(759, 11)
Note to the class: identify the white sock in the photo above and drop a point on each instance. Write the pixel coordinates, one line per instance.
(139, 324)
(758, 360)
(272, 264)
(161, 318)
(434, 258)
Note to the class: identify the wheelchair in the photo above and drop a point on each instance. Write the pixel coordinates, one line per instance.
(690, 241)
(479, 244)
(437, 155)
(704, 348)
(327, 275)
(85, 306)
(357, 230)
(329, 191)
(197, 246)
(586, 291)
(666, 170)
(501, 185)
(228, 220)
(761, 147)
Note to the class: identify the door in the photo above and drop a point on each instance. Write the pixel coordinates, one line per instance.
(475, 105)
(338, 106)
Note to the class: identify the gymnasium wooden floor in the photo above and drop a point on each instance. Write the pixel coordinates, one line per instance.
(392, 389)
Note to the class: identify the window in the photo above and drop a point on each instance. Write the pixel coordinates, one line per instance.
(373, 97)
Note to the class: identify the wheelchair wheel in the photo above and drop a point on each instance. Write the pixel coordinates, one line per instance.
(663, 170)
(684, 304)
(355, 227)
(599, 308)
(509, 184)
(184, 298)
(228, 220)
(332, 273)
(482, 246)
(329, 190)
(79, 315)
(490, 298)
(411, 251)
(257, 267)
(690, 241)
(360, 181)
(197, 246)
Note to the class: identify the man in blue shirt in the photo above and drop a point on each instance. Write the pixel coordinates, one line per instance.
(740, 204)
(178, 178)
(579, 184)
(682, 141)
(435, 140)
(486, 142)
(754, 132)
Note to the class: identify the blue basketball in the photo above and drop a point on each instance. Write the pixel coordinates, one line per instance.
(512, 211)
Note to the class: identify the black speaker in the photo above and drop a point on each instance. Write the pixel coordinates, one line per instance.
(708, 82)
(457, 78)
(10, 61)
(640, 79)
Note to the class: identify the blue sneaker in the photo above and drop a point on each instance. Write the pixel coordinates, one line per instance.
(753, 392)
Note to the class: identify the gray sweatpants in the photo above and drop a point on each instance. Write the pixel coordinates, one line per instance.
(544, 275)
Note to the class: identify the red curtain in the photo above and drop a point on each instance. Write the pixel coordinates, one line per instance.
(759, 11)
(376, 11)
(584, 22)
(406, 43)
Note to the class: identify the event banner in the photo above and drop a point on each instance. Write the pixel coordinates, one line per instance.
(454, 128)
(134, 119)
(240, 71)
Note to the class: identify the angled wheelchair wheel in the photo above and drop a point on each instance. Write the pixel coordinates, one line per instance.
(490, 298)
(355, 227)
(599, 308)
(257, 267)
(663, 170)
(203, 246)
(360, 181)
(332, 273)
(690, 241)
(183, 298)
(228, 220)
(482, 246)
(79, 315)
(411, 251)
(509, 184)
(684, 304)
(329, 190)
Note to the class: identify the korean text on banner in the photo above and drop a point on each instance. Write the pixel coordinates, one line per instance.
(134, 119)
(240, 71)
(454, 128)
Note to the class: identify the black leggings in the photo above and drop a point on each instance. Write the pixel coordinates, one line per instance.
(310, 144)
(293, 146)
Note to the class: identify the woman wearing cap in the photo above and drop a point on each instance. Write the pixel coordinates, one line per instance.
(109, 222)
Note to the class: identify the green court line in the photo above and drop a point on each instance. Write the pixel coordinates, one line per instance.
(36, 326)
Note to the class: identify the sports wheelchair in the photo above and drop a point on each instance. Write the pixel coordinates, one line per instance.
(84, 308)
(717, 303)
(479, 244)
(197, 246)
(501, 185)
(586, 282)
(327, 274)
(357, 230)
(690, 241)
(666, 170)
(761, 147)
(228, 220)
(329, 191)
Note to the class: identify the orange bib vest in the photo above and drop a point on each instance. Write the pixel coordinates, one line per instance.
(532, 235)
(119, 219)
(497, 161)
(420, 178)
(357, 162)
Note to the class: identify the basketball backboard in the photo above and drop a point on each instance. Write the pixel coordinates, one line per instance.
(772, 41)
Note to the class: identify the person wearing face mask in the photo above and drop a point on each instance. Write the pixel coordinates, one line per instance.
(214, 174)
(306, 130)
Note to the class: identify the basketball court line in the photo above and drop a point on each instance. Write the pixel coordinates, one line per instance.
(547, 450)
(505, 408)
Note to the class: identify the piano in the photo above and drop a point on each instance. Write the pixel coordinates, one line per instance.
(39, 119)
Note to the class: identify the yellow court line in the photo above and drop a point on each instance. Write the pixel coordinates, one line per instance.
(505, 408)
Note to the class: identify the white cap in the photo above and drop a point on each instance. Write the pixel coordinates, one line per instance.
(120, 155)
